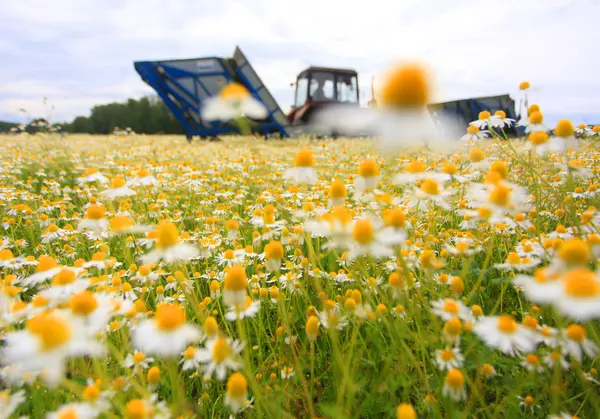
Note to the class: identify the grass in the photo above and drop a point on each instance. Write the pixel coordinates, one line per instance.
(365, 370)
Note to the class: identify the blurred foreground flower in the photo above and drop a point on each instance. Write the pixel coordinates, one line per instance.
(233, 101)
(403, 121)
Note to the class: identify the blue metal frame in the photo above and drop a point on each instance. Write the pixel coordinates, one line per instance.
(178, 104)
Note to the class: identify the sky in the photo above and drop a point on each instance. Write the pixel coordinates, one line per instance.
(79, 53)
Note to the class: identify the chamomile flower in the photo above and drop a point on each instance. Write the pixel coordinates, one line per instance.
(474, 133)
(118, 188)
(167, 334)
(250, 309)
(304, 168)
(454, 385)
(236, 397)
(370, 239)
(448, 308)
(94, 219)
(233, 101)
(142, 178)
(169, 246)
(505, 334)
(219, 355)
(575, 342)
(191, 359)
(448, 358)
(45, 344)
(92, 175)
(74, 410)
(10, 402)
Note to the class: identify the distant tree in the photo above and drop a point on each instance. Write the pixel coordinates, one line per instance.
(147, 115)
(6, 126)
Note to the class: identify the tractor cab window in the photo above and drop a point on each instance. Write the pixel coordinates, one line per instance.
(322, 86)
(347, 90)
(301, 91)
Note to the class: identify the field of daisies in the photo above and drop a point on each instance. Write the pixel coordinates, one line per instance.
(145, 277)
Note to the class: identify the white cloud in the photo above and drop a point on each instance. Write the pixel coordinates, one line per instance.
(473, 48)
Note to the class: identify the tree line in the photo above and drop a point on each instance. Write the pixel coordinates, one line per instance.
(148, 115)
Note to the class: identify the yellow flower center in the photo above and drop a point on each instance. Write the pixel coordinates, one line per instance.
(462, 246)
(395, 218)
(211, 328)
(524, 85)
(142, 172)
(530, 322)
(538, 137)
(6, 254)
(90, 171)
(83, 304)
(476, 155)
(364, 231)
(405, 411)
(51, 330)
(274, 250)
(416, 166)
(234, 91)
(237, 386)
(91, 393)
(430, 187)
(145, 270)
(484, 115)
(406, 86)
(39, 301)
(507, 324)
(229, 254)
(596, 129)
(45, 263)
(536, 117)
(337, 189)
(235, 279)
(513, 258)
(500, 195)
(533, 359)
(453, 326)
(576, 332)
(169, 316)
(575, 252)
(564, 128)
(231, 225)
(95, 212)
(450, 307)
(368, 168)
(121, 222)
(581, 283)
(501, 168)
(64, 277)
(472, 130)
(117, 182)
(68, 413)
(487, 369)
(139, 357)
(450, 168)
(455, 378)
(304, 158)
(500, 114)
(221, 350)
(447, 355)
(167, 235)
(136, 409)
(189, 353)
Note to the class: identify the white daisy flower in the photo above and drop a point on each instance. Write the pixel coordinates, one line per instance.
(505, 334)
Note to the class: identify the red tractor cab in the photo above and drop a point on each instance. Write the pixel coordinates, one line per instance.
(319, 87)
